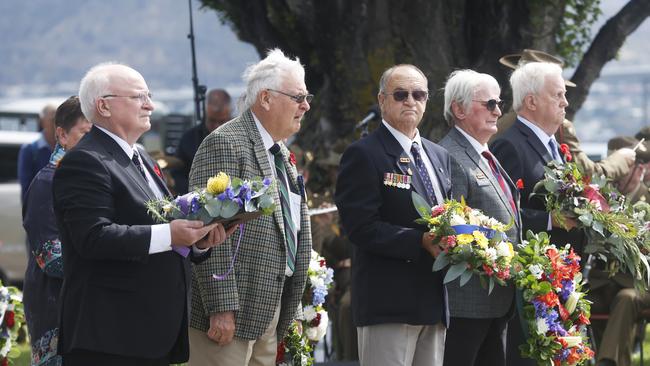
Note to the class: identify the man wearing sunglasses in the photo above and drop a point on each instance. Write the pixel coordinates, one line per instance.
(237, 320)
(478, 325)
(399, 305)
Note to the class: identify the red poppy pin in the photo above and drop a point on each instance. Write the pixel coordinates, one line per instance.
(156, 170)
(292, 158)
(564, 149)
(520, 184)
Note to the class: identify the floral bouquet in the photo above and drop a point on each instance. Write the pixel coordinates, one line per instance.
(555, 313)
(602, 212)
(471, 242)
(313, 324)
(12, 317)
(224, 199)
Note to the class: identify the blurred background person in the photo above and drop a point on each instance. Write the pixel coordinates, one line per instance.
(34, 156)
(218, 110)
(44, 274)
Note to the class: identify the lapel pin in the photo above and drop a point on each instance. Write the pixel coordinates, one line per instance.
(404, 160)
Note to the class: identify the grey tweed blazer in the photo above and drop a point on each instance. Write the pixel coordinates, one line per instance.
(472, 178)
(258, 283)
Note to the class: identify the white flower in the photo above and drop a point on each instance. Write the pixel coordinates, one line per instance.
(456, 220)
(309, 312)
(491, 254)
(503, 249)
(572, 341)
(571, 302)
(317, 281)
(542, 327)
(317, 333)
(536, 270)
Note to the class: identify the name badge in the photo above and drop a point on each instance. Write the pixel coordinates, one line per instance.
(397, 180)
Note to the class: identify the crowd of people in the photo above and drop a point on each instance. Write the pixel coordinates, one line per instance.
(127, 291)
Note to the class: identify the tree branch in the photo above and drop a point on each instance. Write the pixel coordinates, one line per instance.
(608, 41)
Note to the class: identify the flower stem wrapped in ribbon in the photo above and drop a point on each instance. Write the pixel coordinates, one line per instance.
(471, 242)
(12, 317)
(602, 212)
(554, 312)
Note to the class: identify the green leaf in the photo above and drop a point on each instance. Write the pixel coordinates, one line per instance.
(213, 206)
(586, 218)
(491, 286)
(465, 277)
(229, 209)
(442, 260)
(421, 205)
(598, 227)
(455, 271)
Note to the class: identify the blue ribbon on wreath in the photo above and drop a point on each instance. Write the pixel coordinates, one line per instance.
(469, 229)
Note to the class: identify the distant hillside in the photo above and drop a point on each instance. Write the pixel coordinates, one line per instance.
(47, 45)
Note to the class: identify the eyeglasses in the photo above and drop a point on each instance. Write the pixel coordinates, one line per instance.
(402, 95)
(143, 97)
(491, 104)
(296, 98)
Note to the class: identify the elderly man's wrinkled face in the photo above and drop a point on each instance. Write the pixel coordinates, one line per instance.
(129, 102)
(404, 114)
(479, 121)
(286, 112)
(550, 103)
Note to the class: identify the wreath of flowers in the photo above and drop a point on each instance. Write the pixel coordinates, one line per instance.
(602, 212)
(471, 242)
(312, 326)
(12, 317)
(555, 312)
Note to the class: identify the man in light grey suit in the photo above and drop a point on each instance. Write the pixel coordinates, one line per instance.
(478, 325)
(238, 320)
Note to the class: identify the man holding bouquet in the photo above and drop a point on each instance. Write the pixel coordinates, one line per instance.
(124, 294)
(239, 319)
(477, 329)
(399, 305)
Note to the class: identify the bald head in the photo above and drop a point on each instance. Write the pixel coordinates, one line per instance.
(217, 108)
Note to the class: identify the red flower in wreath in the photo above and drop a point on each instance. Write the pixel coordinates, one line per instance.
(9, 319)
(279, 355)
(292, 158)
(5, 362)
(520, 184)
(156, 170)
(564, 149)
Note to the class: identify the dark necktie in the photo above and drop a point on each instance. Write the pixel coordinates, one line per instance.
(497, 174)
(138, 165)
(424, 174)
(553, 145)
(289, 229)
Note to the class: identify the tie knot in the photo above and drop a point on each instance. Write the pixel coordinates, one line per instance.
(487, 154)
(135, 157)
(275, 149)
(415, 147)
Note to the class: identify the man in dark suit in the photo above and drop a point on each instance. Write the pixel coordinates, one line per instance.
(477, 330)
(538, 91)
(399, 304)
(124, 296)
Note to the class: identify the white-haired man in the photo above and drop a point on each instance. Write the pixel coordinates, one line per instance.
(538, 92)
(238, 320)
(124, 295)
(477, 329)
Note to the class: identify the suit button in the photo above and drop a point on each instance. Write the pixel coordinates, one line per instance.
(280, 278)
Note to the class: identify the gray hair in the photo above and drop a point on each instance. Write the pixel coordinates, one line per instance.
(529, 79)
(93, 85)
(389, 72)
(461, 87)
(269, 73)
(47, 109)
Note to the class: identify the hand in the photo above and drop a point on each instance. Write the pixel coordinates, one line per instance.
(429, 246)
(630, 182)
(567, 224)
(222, 327)
(188, 232)
(215, 237)
(627, 154)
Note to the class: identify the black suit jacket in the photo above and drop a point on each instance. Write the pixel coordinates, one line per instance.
(523, 156)
(116, 298)
(392, 281)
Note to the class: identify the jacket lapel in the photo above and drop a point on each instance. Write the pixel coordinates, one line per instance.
(444, 182)
(149, 164)
(534, 141)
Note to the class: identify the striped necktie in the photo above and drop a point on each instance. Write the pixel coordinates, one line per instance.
(434, 195)
(497, 174)
(136, 162)
(289, 229)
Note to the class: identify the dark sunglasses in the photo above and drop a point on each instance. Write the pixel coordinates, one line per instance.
(402, 95)
(296, 98)
(492, 103)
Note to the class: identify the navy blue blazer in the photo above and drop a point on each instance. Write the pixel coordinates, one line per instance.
(523, 156)
(392, 281)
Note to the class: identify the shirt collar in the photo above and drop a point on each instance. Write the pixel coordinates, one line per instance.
(128, 149)
(541, 135)
(404, 140)
(266, 136)
(472, 141)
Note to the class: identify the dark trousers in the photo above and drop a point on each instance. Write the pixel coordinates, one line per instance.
(515, 338)
(86, 358)
(476, 342)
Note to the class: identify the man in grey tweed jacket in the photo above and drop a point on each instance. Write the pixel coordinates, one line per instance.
(477, 329)
(239, 320)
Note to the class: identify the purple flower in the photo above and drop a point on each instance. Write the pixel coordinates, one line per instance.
(540, 308)
(227, 194)
(266, 182)
(245, 192)
(195, 205)
(567, 289)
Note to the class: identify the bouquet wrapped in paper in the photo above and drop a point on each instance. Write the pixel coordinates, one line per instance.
(554, 312)
(604, 214)
(471, 242)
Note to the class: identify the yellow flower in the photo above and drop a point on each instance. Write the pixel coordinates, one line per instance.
(464, 239)
(218, 183)
(434, 221)
(480, 238)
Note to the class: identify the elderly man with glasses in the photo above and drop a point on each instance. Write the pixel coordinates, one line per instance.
(237, 320)
(399, 305)
(477, 330)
